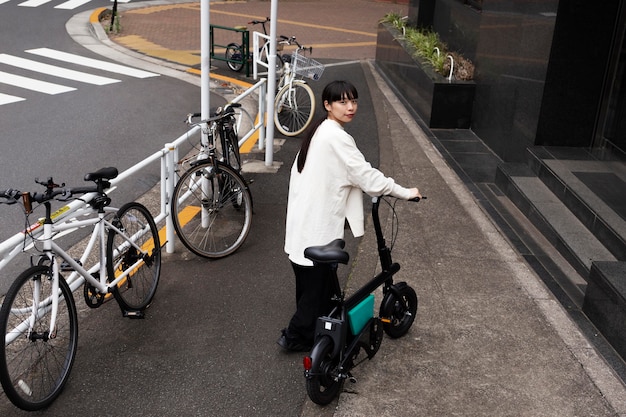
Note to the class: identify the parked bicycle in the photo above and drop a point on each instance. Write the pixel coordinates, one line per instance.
(351, 326)
(235, 55)
(212, 203)
(294, 105)
(38, 319)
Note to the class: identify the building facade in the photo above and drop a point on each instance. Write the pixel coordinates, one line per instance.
(548, 72)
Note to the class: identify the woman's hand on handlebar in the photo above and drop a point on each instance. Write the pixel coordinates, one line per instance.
(415, 194)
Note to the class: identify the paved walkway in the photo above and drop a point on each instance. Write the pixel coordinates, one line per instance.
(172, 32)
(489, 339)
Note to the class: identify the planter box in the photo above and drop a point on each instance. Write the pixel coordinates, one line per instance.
(440, 103)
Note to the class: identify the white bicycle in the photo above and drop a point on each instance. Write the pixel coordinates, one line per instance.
(294, 105)
(38, 318)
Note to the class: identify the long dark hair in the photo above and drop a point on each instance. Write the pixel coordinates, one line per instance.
(334, 91)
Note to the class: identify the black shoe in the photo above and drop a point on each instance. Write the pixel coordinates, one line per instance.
(292, 345)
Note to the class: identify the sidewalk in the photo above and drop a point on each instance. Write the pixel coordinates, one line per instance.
(489, 338)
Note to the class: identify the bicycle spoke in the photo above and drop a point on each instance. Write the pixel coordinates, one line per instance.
(294, 108)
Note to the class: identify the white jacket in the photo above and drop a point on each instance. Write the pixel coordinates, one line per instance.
(328, 191)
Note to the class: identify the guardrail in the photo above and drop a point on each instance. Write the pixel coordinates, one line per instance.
(168, 157)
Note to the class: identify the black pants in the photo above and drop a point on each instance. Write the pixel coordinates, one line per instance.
(314, 288)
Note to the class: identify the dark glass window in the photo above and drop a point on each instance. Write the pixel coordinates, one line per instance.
(475, 4)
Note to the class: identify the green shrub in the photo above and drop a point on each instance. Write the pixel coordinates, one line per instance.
(430, 48)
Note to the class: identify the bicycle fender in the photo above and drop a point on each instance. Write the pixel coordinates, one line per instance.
(334, 329)
(317, 351)
(394, 291)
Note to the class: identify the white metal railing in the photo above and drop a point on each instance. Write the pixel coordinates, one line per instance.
(168, 156)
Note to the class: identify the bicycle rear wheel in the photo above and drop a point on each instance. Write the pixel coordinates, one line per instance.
(234, 57)
(294, 107)
(135, 292)
(322, 384)
(35, 364)
(212, 210)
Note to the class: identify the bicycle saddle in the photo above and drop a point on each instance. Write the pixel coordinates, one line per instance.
(102, 173)
(328, 254)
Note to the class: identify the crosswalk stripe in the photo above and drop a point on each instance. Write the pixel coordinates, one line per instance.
(55, 71)
(33, 3)
(91, 63)
(32, 84)
(8, 99)
(67, 5)
(71, 4)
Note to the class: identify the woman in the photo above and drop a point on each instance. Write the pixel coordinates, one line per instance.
(325, 189)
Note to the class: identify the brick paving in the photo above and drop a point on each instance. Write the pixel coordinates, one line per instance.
(343, 30)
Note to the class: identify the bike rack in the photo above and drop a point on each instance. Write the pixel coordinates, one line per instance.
(245, 45)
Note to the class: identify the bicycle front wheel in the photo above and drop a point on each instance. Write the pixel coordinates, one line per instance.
(140, 262)
(212, 210)
(234, 57)
(35, 361)
(294, 107)
(399, 307)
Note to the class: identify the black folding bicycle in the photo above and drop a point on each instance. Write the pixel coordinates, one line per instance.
(351, 326)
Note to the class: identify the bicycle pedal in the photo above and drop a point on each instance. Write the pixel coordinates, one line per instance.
(134, 314)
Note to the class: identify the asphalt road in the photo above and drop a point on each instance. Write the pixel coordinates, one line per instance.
(207, 346)
(69, 134)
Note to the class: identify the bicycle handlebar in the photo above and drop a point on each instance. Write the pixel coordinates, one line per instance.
(256, 22)
(289, 40)
(10, 196)
(219, 113)
(53, 190)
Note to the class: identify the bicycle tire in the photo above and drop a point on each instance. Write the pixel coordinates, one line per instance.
(216, 194)
(234, 57)
(294, 108)
(136, 291)
(401, 313)
(34, 367)
(322, 386)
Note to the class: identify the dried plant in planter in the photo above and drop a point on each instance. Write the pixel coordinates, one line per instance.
(429, 47)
